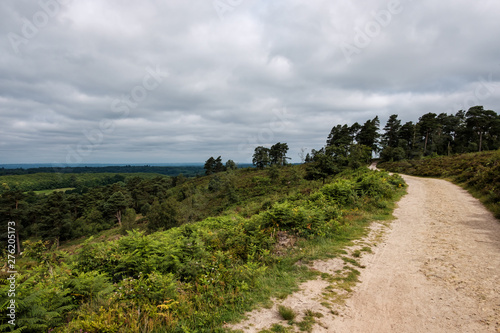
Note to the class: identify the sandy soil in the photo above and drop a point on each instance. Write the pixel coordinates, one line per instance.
(435, 268)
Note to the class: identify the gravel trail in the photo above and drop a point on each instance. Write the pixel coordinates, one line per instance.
(435, 269)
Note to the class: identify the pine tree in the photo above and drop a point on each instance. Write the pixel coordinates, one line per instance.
(261, 157)
(117, 203)
(340, 139)
(209, 166)
(480, 121)
(391, 132)
(427, 124)
(368, 134)
(277, 154)
(230, 165)
(218, 166)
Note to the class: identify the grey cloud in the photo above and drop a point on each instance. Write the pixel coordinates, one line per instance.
(225, 77)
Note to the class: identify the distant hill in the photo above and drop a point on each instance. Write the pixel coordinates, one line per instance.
(172, 170)
(97, 165)
(168, 169)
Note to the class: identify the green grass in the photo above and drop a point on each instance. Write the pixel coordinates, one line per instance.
(46, 192)
(286, 312)
(285, 277)
(277, 328)
(309, 320)
(352, 261)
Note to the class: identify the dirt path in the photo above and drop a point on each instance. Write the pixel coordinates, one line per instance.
(437, 269)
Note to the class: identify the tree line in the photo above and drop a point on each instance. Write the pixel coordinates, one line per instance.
(186, 170)
(353, 146)
(433, 134)
(474, 130)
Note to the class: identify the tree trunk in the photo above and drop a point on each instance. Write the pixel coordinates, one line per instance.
(414, 137)
(18, 243)
(480, 140)
(425, 144)
(119, 217)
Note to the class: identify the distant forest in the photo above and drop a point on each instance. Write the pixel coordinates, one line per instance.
(187, 171)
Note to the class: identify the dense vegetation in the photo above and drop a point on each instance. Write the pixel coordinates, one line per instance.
(477, 172)
(48, 181)
(196, 276)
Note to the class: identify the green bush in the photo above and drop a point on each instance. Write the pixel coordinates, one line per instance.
(342, 191)
(153, 288)
(99, 256)
(87, 286)
(375, 186)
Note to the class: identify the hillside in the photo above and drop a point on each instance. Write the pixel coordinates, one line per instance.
(234, 243)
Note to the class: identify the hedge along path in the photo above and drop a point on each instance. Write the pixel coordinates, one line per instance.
(437, 269)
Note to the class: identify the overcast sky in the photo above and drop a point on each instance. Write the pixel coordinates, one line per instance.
(153, 81)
